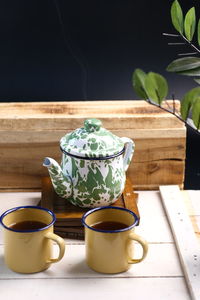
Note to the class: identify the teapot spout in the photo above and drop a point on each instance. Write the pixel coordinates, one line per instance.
(62, 183)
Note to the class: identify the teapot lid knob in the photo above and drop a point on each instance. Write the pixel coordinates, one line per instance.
(92, 125)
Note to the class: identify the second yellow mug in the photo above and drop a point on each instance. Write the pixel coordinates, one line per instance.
(109, 233)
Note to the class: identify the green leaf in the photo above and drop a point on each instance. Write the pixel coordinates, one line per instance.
(177, 16)
(196, 112)
(193, 72)
(190, 23)
(198, 32)
(183, 64)
(156, 87)
(138, 80)
(188, 100)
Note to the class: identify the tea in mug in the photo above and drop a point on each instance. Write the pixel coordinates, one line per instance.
(109, 231)
(29, 237)
(109, 225)
(27, 225)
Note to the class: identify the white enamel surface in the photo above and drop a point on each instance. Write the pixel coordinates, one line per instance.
(100, 166)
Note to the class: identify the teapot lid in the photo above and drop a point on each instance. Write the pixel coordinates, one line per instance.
(92, 141)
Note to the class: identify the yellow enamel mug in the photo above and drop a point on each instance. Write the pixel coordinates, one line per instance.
(30, 250)
(110, 251)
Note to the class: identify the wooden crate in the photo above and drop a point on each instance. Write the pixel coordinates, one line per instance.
(31, 131)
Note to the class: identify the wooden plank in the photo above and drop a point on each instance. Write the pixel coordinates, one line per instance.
(161, 261)
(33, 115)
(191, 201)
(107, 288)
(184, 236)
(48, 194)
(22, 172)
(155, 228)
(130, 198)
(30, 132)
(194, 198)
(149, 175)
(156, 149)
(41, 136)
(79, 107)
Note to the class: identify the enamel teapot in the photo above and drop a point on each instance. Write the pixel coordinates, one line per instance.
(93, 166)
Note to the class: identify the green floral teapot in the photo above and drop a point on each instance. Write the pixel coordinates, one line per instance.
(93, 166)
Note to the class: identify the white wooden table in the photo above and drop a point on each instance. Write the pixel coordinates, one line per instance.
(158, 277)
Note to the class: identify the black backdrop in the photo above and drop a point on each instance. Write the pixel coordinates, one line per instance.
(87, 50)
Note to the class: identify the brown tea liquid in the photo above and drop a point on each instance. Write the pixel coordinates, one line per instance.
(109, 225)
(27, 225)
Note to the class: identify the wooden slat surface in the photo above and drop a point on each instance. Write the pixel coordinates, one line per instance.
(73, 265)
(160, 273)
(184, 236)
(105, 288)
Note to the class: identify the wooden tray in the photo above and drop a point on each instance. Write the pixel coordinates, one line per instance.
(68, 217)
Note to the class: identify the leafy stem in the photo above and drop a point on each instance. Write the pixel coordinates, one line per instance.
(154, 87)
(185, 40)
(190, 43)
(173, 112)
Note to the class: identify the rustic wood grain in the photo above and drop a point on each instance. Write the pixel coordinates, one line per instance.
(130, 197)
(31, 131)
(184, 236)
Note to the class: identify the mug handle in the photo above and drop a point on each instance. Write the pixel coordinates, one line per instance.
(128, 153)
(61, 244)
(144, 245)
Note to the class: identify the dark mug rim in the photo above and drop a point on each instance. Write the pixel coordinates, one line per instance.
(24, 207)
(110, 207)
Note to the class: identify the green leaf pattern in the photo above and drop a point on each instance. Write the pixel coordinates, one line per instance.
(91, 141)
(92, 182)
(99, 183)
(61, 184)
(96, 184)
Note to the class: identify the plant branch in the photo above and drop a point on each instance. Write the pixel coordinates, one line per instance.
(176, 44)
(185, 54)
(168, 104)
(174, 113)
(171, 34)
(185, 40)
(190, 43)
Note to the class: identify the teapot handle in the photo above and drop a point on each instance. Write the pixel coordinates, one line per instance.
(129, 150)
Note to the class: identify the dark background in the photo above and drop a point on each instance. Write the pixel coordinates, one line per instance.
(87, 50)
